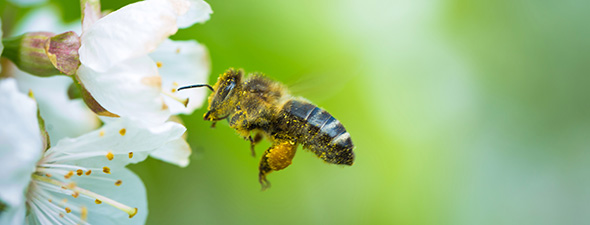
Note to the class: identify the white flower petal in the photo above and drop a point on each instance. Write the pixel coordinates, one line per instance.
(176, 152)
(20, 142)
(14, 214)
(131, 193)
(183, 63)
(129, 32)
(63, 117)
(199, 12)
(131, 88)
(119, 138)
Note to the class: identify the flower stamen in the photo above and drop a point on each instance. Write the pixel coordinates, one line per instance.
(182, 101)
(131, 211)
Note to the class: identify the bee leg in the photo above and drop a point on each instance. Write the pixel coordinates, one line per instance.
(213, 124)
(253, 142)
(275, 158)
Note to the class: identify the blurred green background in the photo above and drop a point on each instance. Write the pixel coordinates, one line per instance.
(462, 112)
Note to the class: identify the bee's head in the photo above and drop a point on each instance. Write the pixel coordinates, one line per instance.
(223, 98)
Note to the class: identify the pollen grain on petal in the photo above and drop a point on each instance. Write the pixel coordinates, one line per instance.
(159, 64)
(173, 90)
(177, 50)
(122, 131)
(75, 194)
(175, 84)
(68, 210)
(154, 81)
(133, 214)
(118, 182)
(110, 156)
(88, 172)
(106, 170)
(48, 175)
(97, 201)
(101, 133)
(130, 154)
(79, 172)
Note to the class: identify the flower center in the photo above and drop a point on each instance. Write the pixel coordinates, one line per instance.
(50, 180)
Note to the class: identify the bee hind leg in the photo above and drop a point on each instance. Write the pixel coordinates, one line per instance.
(275, 158)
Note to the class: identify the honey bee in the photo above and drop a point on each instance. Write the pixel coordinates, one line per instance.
(258, 105)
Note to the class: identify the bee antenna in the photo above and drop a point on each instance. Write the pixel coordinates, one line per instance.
(195, 86)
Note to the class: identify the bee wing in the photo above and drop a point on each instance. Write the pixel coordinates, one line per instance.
(318, 86)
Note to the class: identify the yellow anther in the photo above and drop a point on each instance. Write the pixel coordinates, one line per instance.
(84, 213)
(123, 131)
(97, 201)
(106, 170)
(133, 214)
(71, 185)
(119, 182)
(110, 155)
(88, 172)
(130, 154)
(79, 172)
(70, 174)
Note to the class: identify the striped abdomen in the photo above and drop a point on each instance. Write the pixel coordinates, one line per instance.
(317, 131)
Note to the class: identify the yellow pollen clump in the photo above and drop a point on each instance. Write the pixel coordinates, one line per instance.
(106, 170)
(97, 201)
(177, 50)
(119, 182)
(48, 175)
(88, 172)
(175, 83)
(173, 90)
(110, 156)
(76, 194)
(68, 210)
(130, 154)
(133, 214)
(64, 200)
(49, 200)
(79, 172)
(159, 64)
(101, 133)
(123, 131)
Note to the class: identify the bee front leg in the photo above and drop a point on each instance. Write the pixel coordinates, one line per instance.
(275, 158)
